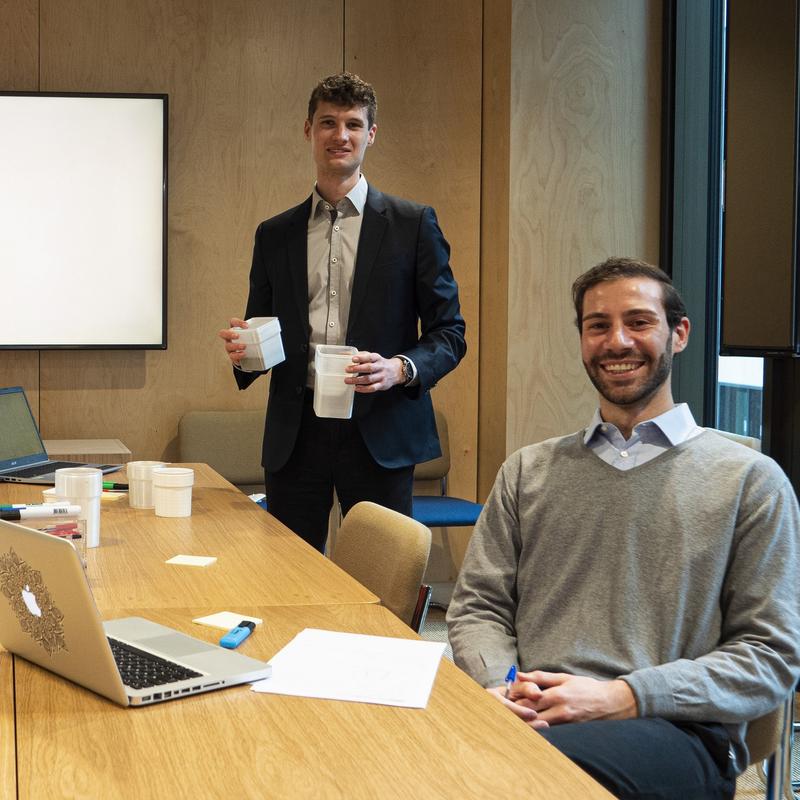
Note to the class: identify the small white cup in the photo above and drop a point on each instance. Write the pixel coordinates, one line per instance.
(83, 486)
(172, 491)
(140, 482)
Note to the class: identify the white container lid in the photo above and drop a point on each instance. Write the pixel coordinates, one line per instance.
(331, 359)
(141, 470)
(173, 476)
(79, 482)
(259, 328)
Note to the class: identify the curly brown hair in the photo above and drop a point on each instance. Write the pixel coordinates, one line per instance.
(346, 90)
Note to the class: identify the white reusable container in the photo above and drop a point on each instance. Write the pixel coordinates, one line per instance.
(172, 491)
(83, 486)
(140, 482)
(263, 344)
(332, 396)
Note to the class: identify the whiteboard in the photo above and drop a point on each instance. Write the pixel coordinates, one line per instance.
(83, 196)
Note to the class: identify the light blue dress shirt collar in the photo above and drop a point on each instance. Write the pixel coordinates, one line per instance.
(648, 439)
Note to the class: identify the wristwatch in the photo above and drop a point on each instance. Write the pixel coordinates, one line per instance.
(408, 370)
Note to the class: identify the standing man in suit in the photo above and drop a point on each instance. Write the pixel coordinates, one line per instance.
(350, 266)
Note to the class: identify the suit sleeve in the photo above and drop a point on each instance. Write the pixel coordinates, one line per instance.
(441, 345)
(259, 300)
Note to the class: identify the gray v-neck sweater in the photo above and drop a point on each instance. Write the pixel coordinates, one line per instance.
(679, 576)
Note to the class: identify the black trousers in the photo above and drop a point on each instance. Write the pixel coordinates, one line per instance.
(651, 759)
(328, 454)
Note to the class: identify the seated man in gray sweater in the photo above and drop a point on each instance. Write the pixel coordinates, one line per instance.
(642, 572)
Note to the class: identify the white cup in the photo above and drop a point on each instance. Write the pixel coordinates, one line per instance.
(172, 491)
(140, 482)
(83, 486)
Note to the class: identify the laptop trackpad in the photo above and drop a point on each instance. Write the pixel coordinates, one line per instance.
(175, 644)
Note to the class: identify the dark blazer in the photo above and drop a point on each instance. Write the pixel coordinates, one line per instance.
(404, 302)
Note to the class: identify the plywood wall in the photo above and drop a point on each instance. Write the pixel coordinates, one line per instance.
(238, 74)
(19, 71)
(426, 59)
(585, 153)
(570, 90)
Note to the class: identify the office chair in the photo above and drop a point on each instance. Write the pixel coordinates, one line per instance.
(773, 734)
(228, 441)
(441, 510)
(388, 553)
(768, 740)
(747, 441)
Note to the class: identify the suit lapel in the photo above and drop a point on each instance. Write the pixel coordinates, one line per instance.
(297, 246)
(372, 229)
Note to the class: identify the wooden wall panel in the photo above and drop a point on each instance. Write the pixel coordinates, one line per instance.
(19, 71)
(424, 60)
(238, 74)
(19, 45)
(585, 154)
(495, 158)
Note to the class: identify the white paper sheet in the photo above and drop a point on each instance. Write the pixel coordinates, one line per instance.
(355, 667)
(192, 561)
(225, 620)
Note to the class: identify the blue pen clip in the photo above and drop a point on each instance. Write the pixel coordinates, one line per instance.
(233, 638)
(511, 676)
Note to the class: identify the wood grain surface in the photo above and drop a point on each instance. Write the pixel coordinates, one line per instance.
(238, 75)
(424, 60)
(236, 743)
(8, 779)
(259, 560)
(585, 162)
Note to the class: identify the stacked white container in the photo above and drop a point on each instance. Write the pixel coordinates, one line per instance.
(332, 396)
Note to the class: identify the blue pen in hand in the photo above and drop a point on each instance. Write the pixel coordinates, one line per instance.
(233, 638)
(511, 676)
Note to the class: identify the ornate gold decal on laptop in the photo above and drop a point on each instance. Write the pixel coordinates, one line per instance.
(30, 600)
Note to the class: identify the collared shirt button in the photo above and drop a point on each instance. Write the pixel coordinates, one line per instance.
(331, 324)
(624, 453)
(334, 260)
(336, 227)
(333, 292)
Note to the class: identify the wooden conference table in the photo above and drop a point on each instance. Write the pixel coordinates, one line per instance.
(59, 740)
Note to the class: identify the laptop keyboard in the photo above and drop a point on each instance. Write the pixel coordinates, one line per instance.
(140, 669)
(41, 469)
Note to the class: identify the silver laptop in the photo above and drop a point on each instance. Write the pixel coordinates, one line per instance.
(23, 458)
(48, 616)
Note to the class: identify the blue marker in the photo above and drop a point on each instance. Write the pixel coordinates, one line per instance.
(233, 638)
(511, 676)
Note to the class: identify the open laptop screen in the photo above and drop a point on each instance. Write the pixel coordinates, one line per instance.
(20, 444)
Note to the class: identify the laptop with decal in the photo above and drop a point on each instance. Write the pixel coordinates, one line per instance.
(23, 458)
(48, 616)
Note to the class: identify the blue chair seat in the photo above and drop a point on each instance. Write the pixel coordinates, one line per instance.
(444, 512)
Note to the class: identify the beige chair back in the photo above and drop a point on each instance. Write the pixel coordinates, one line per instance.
(385, 551)
(228, 441)
(747, 441)
(764, 734)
